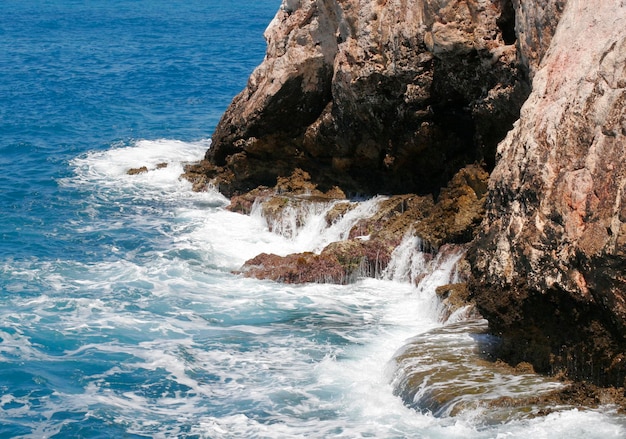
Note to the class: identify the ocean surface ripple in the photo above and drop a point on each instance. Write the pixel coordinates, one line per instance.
(119, 315)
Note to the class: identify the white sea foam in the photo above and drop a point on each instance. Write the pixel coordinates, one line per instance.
(408, 260)
(104, 174)
(111, 166)
(165, 342)
(304, 225)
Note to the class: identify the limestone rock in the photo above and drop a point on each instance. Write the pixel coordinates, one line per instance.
(374, 97)
(535, 24)
(404, 96)
(549, 264)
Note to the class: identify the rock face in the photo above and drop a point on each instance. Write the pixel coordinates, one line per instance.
(550, 262)
(390, 96)
(536, 22)
(400, 96)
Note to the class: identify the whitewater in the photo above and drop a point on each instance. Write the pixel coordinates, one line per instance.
(120, 315)
(161, 340)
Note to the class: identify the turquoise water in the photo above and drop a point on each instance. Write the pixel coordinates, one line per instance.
(119, 315)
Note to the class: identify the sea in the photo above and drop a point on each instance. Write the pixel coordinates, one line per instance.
(120, 312)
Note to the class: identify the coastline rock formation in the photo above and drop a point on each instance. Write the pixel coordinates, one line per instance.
(367, 248)
(550, 262)
(373, 96)
(400, 96)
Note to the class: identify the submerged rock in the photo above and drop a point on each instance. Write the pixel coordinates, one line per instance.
(144, 169)
(571, 395)
(450, 370)
(136, 171)
(453, 369)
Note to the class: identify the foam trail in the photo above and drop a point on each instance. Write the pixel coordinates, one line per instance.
(305, 224)
(408, 260)
(340, 230)
(160, 340)
(297, 220)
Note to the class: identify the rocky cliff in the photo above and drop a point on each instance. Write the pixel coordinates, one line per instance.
(550, 261)
(389, 96)
(398, 96)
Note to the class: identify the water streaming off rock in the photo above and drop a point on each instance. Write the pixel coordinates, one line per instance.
(119, 314)
(160, 339)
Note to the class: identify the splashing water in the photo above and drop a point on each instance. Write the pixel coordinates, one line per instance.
(306, 226)
(119, 315)
(158, 339)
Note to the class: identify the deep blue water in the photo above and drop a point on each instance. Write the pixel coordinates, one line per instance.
(80, 76)
(119, 315)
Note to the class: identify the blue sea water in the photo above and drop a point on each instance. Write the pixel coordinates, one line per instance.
(80, 76)
(119, 315)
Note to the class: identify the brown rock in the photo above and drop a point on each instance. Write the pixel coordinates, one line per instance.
(373, 97)
(459, 209)
(135, 171)
(204, 174)
(243, 203)
(295, 268)
(337, 211)
(339, 262)
(453, 298)
(573, 395)
(549, 261)
(394, 217)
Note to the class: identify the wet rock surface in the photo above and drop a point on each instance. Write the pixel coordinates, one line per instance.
(459, 209)
(365, 251)
(406, 97)
(136, 171)
(455, 298)
(454, 368)
(367, 247)
(571, 395)
(451, 369)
